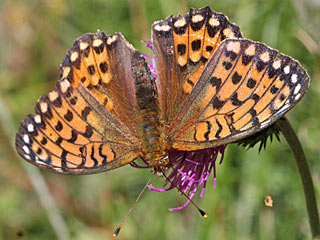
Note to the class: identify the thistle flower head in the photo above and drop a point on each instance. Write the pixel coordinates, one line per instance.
(189, 170)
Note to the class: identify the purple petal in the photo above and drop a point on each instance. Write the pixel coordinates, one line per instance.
(148, 44)
(155, 189)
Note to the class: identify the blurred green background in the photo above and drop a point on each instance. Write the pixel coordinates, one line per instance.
(34, 37)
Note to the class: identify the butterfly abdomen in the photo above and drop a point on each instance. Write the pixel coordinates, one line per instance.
(148, 105)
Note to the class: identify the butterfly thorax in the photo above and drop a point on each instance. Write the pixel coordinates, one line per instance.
(153, 148)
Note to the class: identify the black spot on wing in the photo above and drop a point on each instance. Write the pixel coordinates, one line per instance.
(89, 131)
(227, 65)
(181, 49)
(190, 82)
(91, 70)
(253, 112)
(217, 103)
(59, 141)
(219, 129)
(274, 89)
(232, 55)
(93, 157)
(68, 116)
(236, 78)
(235, 100)
(83, 151)
(209, 48)
(260, 65)
(255, 97)
(74, 136)
(97, 49)
(39, 151)
(272, 72)
(246, 59)
(57, 102)
(73, 100)
(196, 45)
(85, 112)
(215, 82)
(103, 67)
(59, 126)
(102, 155)
(206, 135)
(64, 159)
(43, 141)
(251, 83)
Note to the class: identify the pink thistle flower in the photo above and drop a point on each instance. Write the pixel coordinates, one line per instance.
(190, 170)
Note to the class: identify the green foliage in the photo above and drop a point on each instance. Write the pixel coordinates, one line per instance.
(34, 37)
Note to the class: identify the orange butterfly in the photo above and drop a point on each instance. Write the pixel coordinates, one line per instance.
(206, 87)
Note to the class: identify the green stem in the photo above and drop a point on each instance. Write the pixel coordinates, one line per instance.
(305, 175)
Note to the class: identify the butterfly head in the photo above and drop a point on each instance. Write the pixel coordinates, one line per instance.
(158, 161)
(161, 166)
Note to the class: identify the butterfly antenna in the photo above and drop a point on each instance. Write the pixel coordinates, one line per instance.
(116, 232)
(203, 213)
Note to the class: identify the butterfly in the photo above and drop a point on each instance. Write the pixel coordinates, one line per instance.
(209, 87)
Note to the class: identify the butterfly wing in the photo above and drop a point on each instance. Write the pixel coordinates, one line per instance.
(242, 88)
(246, 87)
(182, 48)
(89, 122)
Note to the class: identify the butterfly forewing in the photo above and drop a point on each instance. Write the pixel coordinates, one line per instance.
(245, 87)
(182, 47)
(87, 123)
(103, 64)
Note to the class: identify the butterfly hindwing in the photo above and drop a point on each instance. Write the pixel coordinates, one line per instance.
(245, 87)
